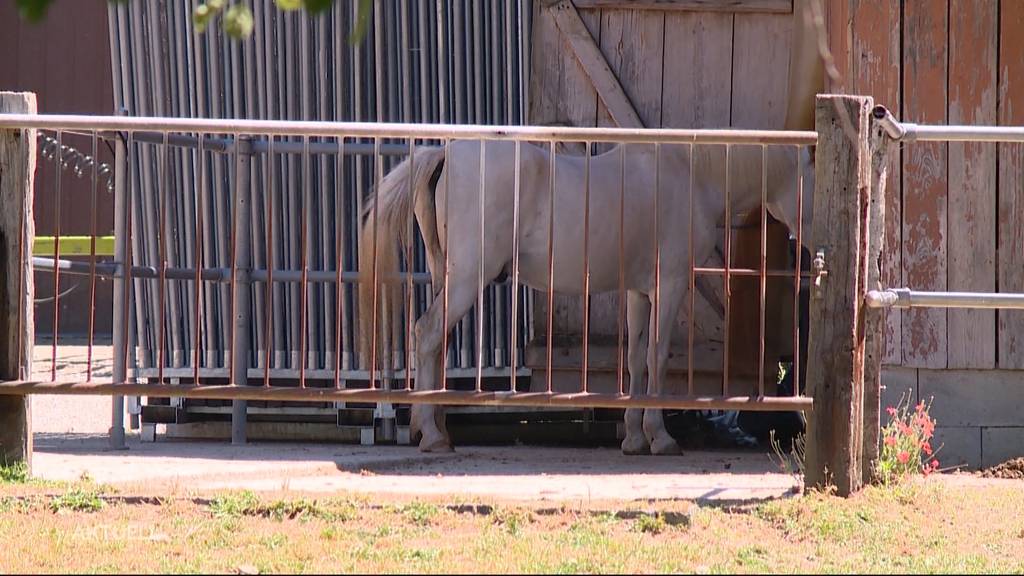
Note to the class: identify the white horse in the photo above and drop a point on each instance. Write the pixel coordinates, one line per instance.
(654, 232)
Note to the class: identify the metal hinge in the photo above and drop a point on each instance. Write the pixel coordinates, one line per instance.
(819, 272)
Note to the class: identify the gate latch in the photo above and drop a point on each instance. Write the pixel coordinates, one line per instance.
(818, 272)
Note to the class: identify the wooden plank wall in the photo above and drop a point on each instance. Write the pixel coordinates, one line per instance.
(955, 213)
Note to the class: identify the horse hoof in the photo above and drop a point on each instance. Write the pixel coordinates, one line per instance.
(635, 446)
(665, 446)
(436, 446)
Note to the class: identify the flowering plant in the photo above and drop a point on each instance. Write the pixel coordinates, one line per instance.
(906, 442)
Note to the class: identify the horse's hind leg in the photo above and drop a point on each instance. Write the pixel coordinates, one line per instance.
(638, 310)
(657, 366)
(428, 419)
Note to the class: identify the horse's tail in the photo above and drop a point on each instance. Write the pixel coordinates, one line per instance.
(386, 215)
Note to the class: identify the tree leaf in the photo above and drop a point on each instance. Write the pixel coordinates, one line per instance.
(33, 10)
(288, 5)
(238, 21)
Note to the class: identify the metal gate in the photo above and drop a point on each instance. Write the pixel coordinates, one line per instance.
(240, 267)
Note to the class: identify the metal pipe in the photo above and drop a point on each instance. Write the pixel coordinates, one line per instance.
(240, 296)
(429, 131)
(907, 298)
(448, 397)
(888, 122)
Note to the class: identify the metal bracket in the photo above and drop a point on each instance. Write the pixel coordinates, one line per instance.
(818, 272)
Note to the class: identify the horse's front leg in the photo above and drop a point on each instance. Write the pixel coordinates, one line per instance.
(638, 311)
(669, 297)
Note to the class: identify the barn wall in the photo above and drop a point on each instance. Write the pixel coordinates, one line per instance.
(954, 217)
(65, 60)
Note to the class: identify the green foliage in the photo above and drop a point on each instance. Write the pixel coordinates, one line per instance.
(77, 500)
(14, 473)
(237, 20)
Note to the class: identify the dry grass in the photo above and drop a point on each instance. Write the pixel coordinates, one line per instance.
(930, 526)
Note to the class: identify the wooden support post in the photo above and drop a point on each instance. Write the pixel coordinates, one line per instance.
(17, 171)
(874, 318)
(835, 371)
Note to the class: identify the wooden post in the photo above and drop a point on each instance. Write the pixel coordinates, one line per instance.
(835, 370)
(874, 318)
(17, 171)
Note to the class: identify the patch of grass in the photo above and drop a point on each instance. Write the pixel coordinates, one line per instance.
(235, 505)
(511, 520)
(650, 524)
(16, 473)
(77, 500)
(420, 513)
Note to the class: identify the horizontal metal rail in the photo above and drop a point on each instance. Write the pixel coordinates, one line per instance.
(907, 298)
(404, 130)
(115, 270)
(909, 132)
(447, 397)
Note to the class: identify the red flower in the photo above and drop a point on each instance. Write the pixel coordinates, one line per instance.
(927, 448)
(890, 440)
(935, 464)
(891, 411)
(903, 457)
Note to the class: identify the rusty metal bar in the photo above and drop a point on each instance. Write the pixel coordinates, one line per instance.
(586, 269)
(797, 273)
(727, 289)
(693, 284)
(94, 232)
(450, 397)
(56, 252)
(621, 320)
(551, 262)
(513, 348)
(763, 261)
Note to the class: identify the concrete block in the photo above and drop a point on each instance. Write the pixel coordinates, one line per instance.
(974, 397)
(958, 446)
(897, 383)
(1001, 444)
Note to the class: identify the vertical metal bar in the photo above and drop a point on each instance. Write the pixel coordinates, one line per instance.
(200, 204)
(796, 275)
(374, 273)
(304, 259)
(620, 372)
(444, 286)
(728, 260)
(693, 285)
(93, 231)
(162, 251)
(409, 271)
(442, 60)
(586, 269)
(513, 347)
(122, 288)
(653, 377)
(56, 252)
(271, 261)
(240, 297)
(480, 280)
(764, 268)
(551, 259)
(339, 255)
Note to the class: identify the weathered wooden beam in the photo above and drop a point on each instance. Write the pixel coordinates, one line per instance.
(17, 170)
(874, 318)
(748, 6)
(835, 371)
(593, 63)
